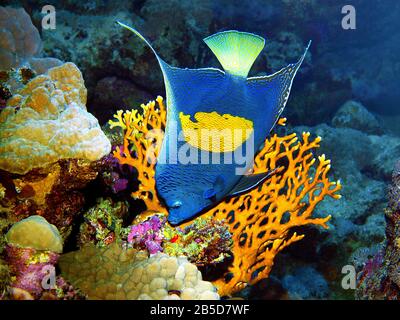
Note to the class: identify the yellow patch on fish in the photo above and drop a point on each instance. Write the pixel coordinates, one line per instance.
(214, 132)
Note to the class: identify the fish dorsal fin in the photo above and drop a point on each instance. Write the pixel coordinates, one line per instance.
(235, 50)
(164, 66)
(248, 182)
(137, 33)
(280, 84)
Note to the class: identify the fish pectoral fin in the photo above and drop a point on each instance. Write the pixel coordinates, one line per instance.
(209, 193)
(235, 50)
(218, 186)
(248, 182)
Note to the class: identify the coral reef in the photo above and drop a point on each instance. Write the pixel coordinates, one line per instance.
(31, 253)
(5, 278)
(30, 267)
(53, 192)
(380, 276)
(116, 177)
(12, 81)
(286, 46)
(47, 121)
(353, 108)
(50, 147)
(33, 246)
(261, 220)
(103, 223)
(6, 222)
(205, 241)
(15, 50)
(115, 273)
(63, 291)
(394, 189)
(112, 92)
(364, 163)
(87, 35)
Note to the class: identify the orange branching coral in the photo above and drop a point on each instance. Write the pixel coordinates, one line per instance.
(262, 219)
(143, 134)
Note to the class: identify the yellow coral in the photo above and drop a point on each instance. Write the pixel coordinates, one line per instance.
(143, 134)
(262, 219)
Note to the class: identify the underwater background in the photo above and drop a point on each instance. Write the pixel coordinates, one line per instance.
(345, 92)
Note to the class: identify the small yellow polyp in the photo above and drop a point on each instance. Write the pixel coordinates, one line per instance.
(214, 132)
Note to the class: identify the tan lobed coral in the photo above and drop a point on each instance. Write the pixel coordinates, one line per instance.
(36, 233)
(116, 273)
(47, 121)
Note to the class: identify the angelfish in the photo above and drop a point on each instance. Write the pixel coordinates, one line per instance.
(199, 101)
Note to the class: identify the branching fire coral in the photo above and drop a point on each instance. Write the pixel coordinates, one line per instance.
(143, 135)
(261, 221)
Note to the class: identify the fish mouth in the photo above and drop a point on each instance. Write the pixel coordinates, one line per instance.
(174, 221)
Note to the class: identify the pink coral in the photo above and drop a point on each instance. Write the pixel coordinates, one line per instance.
(29, 266)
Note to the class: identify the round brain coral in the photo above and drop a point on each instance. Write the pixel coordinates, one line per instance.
(36, 233)
(47, 121)
(117, 273)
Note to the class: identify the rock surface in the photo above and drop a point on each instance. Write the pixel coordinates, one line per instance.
(354, 115)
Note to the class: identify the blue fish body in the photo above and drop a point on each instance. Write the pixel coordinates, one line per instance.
(255, 103)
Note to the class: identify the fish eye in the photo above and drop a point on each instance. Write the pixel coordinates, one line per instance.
(176, 205)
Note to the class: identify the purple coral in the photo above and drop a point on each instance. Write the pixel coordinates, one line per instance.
(120, 184)
(147, 235)
(117, 176)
